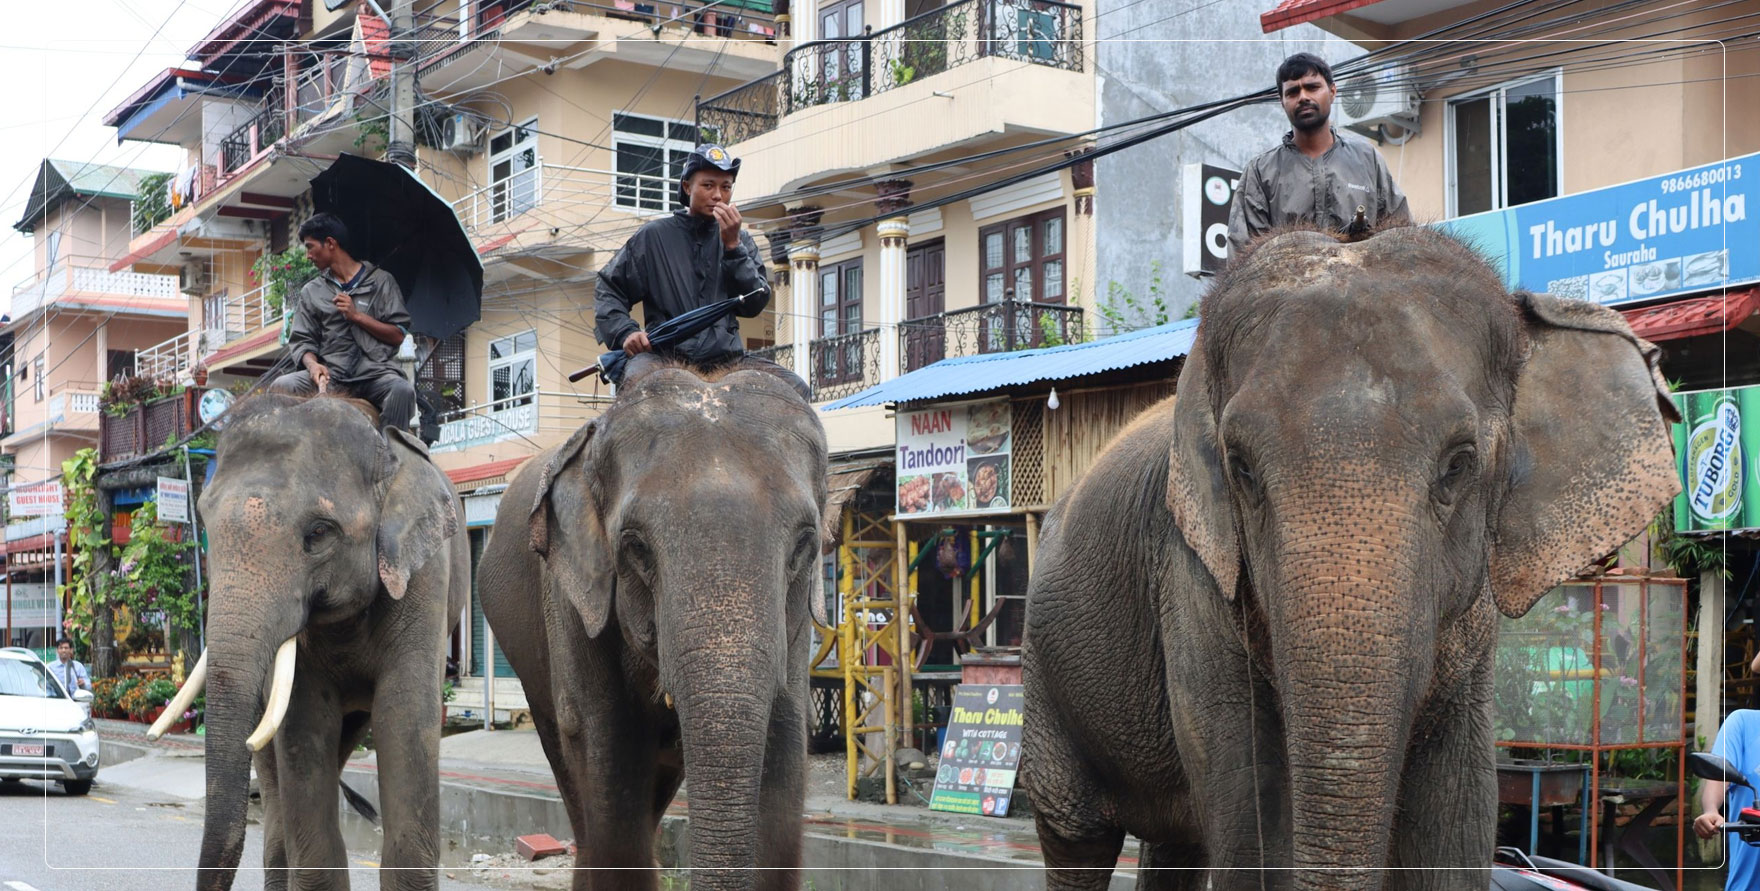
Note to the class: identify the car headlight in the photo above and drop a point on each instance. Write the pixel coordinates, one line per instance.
(86, 726)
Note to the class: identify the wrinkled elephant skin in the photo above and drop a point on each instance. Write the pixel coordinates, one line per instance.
(348, 541)
(1260, 628)
(649, 582)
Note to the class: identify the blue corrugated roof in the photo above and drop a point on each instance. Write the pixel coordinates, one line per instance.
(995, 371)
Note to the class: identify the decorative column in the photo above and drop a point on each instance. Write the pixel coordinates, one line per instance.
(803, 277)
(781, 295)
(894, 231)
(1083, 244)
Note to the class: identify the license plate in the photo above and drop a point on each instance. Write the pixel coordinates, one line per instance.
(27, 751)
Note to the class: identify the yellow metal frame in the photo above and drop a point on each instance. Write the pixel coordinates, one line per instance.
(874, 620)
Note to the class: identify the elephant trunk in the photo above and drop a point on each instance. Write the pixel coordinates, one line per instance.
(724, 749)
(1353, 643)
(242, 646)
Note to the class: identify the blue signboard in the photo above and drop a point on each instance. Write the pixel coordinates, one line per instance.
(1644, 240)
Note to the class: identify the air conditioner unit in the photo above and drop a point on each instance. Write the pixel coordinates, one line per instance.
(1375, 103)
(192, 279)
(463, 133)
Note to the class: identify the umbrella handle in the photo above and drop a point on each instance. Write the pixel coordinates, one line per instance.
(575, 377)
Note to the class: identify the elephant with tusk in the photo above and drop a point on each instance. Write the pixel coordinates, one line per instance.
(339, 567)
(1260, 629)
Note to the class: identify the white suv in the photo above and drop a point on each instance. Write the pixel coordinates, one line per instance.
(45, 734)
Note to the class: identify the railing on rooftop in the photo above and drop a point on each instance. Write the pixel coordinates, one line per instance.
(1041, 32)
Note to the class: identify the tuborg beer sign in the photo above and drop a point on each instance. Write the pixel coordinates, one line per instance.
(1715, 449)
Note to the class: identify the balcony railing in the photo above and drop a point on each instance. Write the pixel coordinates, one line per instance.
(845, 364)
(88, 275)
(253, 137)
(517, 417)
(990, 328)
(1042, 32)
(564, 197)
(73, 405)
(172, 359)
(439, 36)
(234, 317)
(782, 354)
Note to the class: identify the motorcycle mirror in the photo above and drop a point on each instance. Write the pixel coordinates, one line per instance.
(1711, 767)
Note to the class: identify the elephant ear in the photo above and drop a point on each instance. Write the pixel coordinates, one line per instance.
(418, 513)
(565, 529)
(1591, 458)
(1197, 491)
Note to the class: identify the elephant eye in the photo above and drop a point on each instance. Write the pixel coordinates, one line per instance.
(1456, 470)
(316, 533)
(640, 556)
(1245, 478)
(804, 549)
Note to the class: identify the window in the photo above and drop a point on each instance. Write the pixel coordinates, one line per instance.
(37, 372)
(840, 313)
(118, 363)
(51, 250)
(513, 370)
(841, 64)
(1504, 146)
(1025, 255)
(513, 171)
(650, 158)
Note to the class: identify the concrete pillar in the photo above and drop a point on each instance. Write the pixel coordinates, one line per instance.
(103, 367)
(1708, 678)
(894, 233)
(803, 258)
(1081, 287)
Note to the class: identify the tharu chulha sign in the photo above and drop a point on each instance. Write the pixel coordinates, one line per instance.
(982, 750)
(1714, 447)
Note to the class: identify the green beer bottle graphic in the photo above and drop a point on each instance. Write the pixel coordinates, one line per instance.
(1715, 460)
(1748, 399)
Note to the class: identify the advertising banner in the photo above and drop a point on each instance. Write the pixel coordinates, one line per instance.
(1206, 193)
(173, 500)
(1715, 450)
(954, 459)
(982, 750)
(34, 605)
(40, 500)
(1644, 240)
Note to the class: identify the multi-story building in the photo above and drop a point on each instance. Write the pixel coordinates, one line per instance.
(74, 324)
(555, 130)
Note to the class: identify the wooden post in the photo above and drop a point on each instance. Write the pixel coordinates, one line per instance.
(902, 597)
(1708, 687)
(105, 662)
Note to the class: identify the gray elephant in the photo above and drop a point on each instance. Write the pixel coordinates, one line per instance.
(1260, 630)
(338, 568)
(649, 580)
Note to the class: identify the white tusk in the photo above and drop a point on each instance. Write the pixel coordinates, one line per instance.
(280, 692)
(179, 704)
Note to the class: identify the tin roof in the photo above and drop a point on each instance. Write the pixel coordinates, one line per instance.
(995, 371)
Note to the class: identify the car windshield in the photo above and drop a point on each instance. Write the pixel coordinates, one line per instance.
(20, 678)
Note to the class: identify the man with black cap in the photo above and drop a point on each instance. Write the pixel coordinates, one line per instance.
(697, 256)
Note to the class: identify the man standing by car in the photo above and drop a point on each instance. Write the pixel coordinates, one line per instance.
(697, 256)
(68, 670)
(1316, 175)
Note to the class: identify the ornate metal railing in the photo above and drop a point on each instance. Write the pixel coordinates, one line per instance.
(264, 129)
(782, 354)
(1042, 32)
(990, 328)
(745, 111)
(845, 364)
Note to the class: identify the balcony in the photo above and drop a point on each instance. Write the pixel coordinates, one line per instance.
(87, 276)
(517, 417)
(73, 407)
(1041, 32)
(845, 364)
(782, 354)
(990, 328)
(252, 138)
(231, 318)
(552, 196)
(173, 359)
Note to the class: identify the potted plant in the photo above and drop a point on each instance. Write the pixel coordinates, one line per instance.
(447, 692)
(282, 275)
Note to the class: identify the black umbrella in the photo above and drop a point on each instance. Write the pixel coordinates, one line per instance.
(396, 221)
(669, 333)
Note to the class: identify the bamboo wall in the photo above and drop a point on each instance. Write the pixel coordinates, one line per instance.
(1072, 436)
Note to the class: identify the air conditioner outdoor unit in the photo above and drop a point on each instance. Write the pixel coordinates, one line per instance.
(463, 133)
(192, 279)
(1380, 105)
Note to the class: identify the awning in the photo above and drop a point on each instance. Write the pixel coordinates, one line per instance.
(1290, 13)
(842, 483)
(477, 476)
(997, 371)
(1691, 318)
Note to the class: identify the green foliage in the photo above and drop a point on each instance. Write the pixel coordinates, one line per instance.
(120, 396)
(374, 132)
(448, 691)
(1688, 555)
(902, 73)
(154, 575)
(1123, 311)
(88, 531)
(282, 275)
(151, 203)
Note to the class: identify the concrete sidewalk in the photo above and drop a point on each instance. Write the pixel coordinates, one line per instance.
(497, 785)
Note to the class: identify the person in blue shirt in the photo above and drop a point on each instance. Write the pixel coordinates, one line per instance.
(68, 670)
(1738, 742)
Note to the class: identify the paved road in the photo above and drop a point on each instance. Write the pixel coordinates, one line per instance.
(121, 838)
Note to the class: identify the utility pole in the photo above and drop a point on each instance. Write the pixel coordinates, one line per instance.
(402, 149)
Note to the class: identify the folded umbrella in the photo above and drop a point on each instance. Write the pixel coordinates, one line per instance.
(669, 333)
(396, 221)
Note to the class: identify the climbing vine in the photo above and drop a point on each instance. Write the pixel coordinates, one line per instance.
(88, 532)
(153, 574)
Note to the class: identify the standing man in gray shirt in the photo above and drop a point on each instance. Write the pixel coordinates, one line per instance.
(1316, 175)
